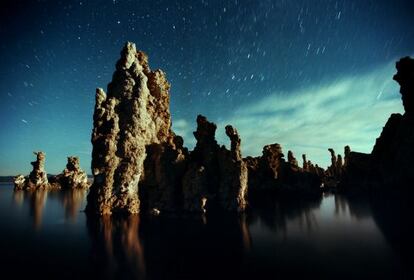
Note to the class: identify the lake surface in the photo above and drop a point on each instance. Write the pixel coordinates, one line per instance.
(46, 235)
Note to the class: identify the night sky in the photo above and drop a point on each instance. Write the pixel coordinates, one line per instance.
(309, 75)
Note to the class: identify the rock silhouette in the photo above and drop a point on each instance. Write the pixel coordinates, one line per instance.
(390, 165)
(216, 177)
(271, 173)
(292, 160)
(233, 186)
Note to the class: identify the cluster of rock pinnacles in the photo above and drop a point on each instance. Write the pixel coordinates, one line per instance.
(72, 177)
(140, 164)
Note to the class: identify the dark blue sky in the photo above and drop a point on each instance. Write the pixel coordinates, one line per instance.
(307, 74)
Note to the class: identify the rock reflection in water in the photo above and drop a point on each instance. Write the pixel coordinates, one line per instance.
(190, 247)
(70, 200)
(360, 237)
(275, 213)
(392, 213)
(117, 251)
(36, 201)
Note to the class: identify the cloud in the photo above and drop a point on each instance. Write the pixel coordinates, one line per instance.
(350, 111)
(183, 128)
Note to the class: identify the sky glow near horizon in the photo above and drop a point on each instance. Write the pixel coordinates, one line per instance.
(309, 75)
(350, 111)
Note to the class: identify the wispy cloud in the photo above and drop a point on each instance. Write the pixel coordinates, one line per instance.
(183, 128)
(350, 111)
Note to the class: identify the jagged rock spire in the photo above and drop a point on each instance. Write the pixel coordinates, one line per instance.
(405, 77)
(291, 159)
(131, 115)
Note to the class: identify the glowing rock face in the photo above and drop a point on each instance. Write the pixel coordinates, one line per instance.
(133, 113)
(139, 163)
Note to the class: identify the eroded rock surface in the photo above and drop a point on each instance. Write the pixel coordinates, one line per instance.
(133, 114)
(73, 177)
(37, 179)
(164, 168)
(139, 163)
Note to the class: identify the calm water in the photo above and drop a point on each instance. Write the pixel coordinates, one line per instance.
(46, 234)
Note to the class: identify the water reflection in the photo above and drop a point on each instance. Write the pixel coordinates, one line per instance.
(36, 201)
(70, 200)
(117, 251)
(184, 247)
(276, 213)
(286, 237)
(392, 213)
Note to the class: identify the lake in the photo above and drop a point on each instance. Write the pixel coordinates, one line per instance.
(46, 235)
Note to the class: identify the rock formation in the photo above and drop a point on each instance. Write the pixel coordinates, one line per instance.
(271, 173)
(164, 167)
(232, 193)
(308, 166)
(405, 78)
(347, 151)
(37, 179)
(133, 114)
(216, 177)
(390, 163)
(19, 182)
(292, 160)
(137, 158)
(305, 163)
(38, 176)
(203, 167)
(332, 169)
(73, 177)
(339, 166)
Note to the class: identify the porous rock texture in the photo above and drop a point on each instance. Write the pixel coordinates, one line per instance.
(164, 167)
(390, 165)
(73, 177)
(37, 179)
(133, 114)
(139, 163)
